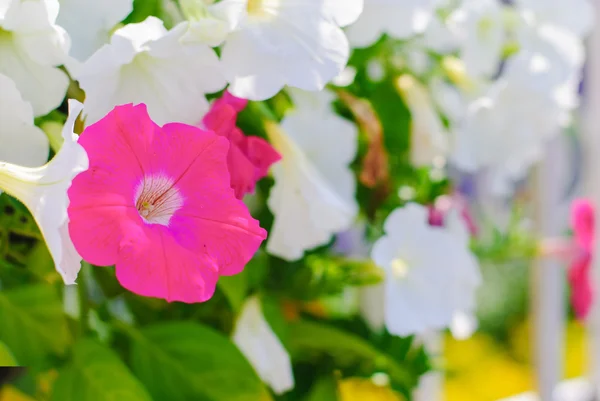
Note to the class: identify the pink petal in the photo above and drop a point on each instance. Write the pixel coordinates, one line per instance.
(212, 221)
(249, 157)
(583, 223)
(207, 231)
(582, 293)
(151, 263)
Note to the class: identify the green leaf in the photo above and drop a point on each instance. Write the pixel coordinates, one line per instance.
(182, 361)
(234, 288)
(33, 323)
(309, 337)
(6, 357)
(324, 390)
(97, 374)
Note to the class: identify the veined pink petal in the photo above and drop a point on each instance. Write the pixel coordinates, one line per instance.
(249, 157)
(157, 203)
(151, 263)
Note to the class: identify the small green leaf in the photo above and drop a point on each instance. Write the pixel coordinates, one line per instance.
(306, 337)
(33, 323)
(97, 374)
(182, 361)
(6, 357)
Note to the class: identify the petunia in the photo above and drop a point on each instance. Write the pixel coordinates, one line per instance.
(43, 190)
(583, 223)
(577, 16)
(257, 341)
(399, 19)
(430, 274)
(276, 43)
(249, 157)
(507, 127)
(89, 23)
(31, 47)
(313, 195)
(206, 22)
(146, 64)
(479, 27)
(157, 203)
(22, 142)
(429, 138)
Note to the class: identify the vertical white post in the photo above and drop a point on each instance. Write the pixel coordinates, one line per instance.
(591, 142)
(548, 277)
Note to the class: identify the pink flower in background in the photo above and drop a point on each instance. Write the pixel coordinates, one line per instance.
(249, 157)
(583, 225)
(157, 203)
(444, 204)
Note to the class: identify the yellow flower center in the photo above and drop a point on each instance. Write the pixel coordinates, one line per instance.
(399, 268)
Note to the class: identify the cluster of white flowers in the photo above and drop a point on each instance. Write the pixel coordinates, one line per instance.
(508, 82)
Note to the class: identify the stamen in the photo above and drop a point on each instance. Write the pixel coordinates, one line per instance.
(157, 199)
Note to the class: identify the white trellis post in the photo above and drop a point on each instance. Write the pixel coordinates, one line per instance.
(591, 119)
(548, 275)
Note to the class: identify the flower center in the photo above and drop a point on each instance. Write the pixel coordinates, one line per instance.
(157, 199)
(399, 268)
(262, 9)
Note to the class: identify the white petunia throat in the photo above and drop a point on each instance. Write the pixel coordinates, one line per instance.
(400, 268)
(263, 9)
(157, 199)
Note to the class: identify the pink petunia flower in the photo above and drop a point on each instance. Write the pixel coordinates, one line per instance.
(157, 203)
(444, 204)
(249, 157)
(580, 269)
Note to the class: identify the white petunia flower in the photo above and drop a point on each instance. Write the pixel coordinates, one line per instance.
(400, 19)
(259, 344)
(313, 195)
(577, 16)
(479, 27)
(22, 142)
(274, 43)
(31, 47)
(429, 138)
(206, 22)
(146, 64)
(43, 190)
(508, 127)
(430, 275)
(89, 23)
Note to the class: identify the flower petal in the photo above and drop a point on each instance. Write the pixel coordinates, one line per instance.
(151, 263)
(22, 142)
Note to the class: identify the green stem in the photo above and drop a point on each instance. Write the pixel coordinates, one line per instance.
(84, 307)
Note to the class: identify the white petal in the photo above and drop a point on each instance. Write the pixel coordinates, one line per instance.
(257, 341)
(297, 44)
(89, 23)
(480, 28)
(145, 64)
(30, 48)
(430, 273)
(372, 302)
(308, 208)
(429, 138)
(344, 12)
(22, 142)
(43, 191)
(400, 19)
